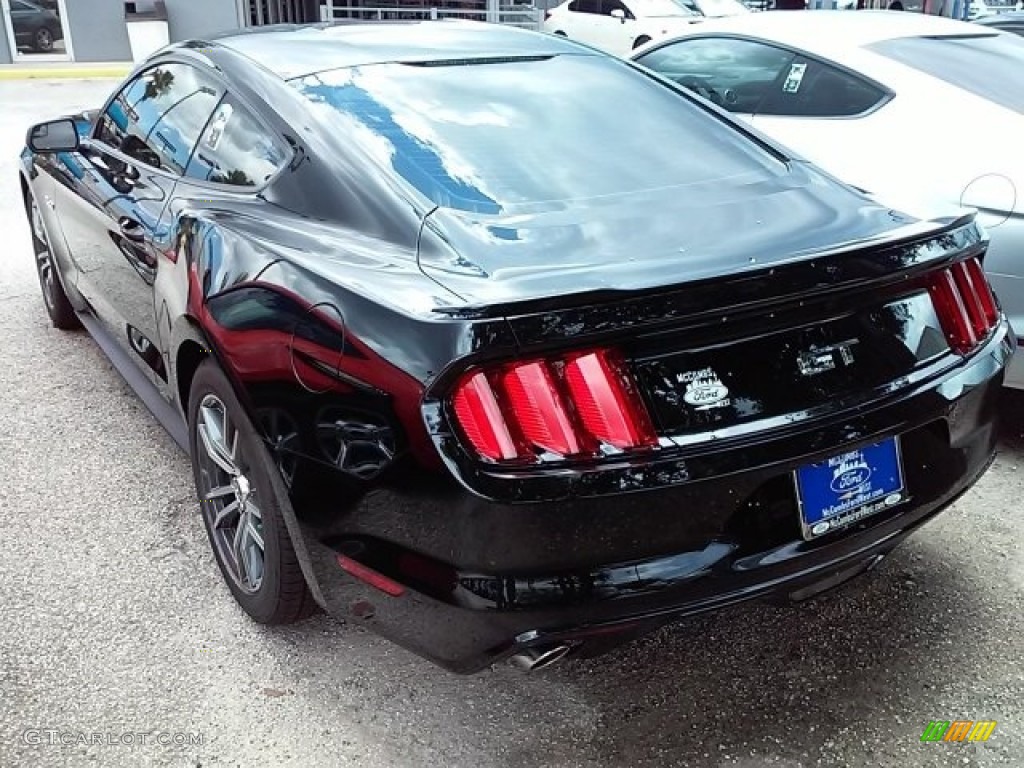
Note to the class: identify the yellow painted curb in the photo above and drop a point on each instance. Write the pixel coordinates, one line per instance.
(62, 73)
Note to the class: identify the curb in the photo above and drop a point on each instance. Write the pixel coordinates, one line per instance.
(64, 73)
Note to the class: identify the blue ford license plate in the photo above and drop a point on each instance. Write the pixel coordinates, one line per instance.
(846, 488)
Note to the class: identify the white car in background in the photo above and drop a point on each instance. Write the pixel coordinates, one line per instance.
(619, 26)
(918, 110)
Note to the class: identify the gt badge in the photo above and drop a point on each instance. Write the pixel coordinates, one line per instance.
(818, 360)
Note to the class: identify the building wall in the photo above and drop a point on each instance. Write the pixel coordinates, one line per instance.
(5, 52)
(97, 30)
(188, 18)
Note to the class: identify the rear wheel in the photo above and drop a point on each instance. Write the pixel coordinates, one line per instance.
(642, 40)
(62, 314)
(560, 33)
(43, 40)
(241, 499)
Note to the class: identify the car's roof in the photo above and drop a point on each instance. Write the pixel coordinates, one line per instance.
(826, 32)
(297, 50)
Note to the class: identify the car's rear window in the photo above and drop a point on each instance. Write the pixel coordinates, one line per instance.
(485, 137)
(987, 65)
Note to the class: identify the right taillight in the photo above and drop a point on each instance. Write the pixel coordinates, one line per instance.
(572, 406)
(964, 303)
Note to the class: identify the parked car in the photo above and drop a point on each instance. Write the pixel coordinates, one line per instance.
(618, 26)
(1011, 21)
(502, 399)
(35, 27)
(889, 102)
(978, 9)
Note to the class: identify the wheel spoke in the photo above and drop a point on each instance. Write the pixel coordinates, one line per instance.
(224, 514)
(253, 510)
(254, 535)
(222, 490)
(236, 550)
(212, 432)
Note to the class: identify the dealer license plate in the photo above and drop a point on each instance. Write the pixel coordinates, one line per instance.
(839, 491)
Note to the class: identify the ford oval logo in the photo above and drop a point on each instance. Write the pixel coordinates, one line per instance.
(711, 393)
(851, 479)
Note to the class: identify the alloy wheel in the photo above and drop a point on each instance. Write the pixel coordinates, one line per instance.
(44, 259)
(44, 40)
(227, 496)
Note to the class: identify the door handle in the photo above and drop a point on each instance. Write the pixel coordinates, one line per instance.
(131, 229)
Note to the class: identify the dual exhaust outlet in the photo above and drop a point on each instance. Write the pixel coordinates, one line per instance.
(539, 657)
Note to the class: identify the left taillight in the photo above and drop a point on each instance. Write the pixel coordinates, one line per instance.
(580, 405)
(964, 303)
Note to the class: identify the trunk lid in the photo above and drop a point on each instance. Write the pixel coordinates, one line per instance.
(655, 238)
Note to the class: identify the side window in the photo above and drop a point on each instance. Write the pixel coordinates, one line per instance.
(585, 6)
(813, 89)
(607, 6)
(735, 74)
(236, 149)
(157, 118)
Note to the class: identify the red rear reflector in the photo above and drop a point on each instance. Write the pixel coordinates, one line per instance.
(478, 413)
(538, 408)
(370, 576)
(607, 410)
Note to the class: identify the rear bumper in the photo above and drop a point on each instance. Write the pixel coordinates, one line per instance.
(479, 580)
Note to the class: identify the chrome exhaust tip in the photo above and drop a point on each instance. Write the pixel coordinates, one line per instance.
(534, 659)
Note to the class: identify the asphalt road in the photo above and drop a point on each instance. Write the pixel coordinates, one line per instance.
(113, 617)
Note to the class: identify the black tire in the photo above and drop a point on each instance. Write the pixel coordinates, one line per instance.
(269, 585)
(43, 40)
(897, 6)
(560, 33)
(642, 40)
(62, 314)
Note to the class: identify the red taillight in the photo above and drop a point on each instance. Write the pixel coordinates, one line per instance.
(480, 417)
(964, 303)
(983, 291)
(538, 408)
(552, 408)
(609, 412)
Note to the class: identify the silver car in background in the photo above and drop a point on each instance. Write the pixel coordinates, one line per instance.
(918, 110)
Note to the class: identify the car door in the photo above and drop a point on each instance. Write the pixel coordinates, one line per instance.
(115, 218)
(614, 34)
(580, 21)
(25, 20)
(735, 74)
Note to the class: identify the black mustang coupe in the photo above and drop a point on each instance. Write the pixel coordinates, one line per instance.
(506, 348)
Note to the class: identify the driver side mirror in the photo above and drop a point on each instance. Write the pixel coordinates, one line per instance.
(618, 13)
(53, 136)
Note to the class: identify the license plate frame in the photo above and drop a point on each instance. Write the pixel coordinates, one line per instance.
(838, 491)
